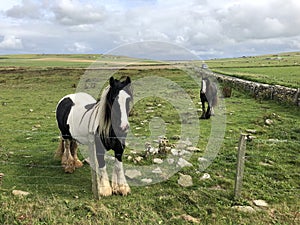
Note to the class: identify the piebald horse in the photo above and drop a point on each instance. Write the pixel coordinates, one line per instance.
(104, 123)
(208, 93)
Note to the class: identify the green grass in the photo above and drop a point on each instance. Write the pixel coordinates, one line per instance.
(282, 69)
(29, 137)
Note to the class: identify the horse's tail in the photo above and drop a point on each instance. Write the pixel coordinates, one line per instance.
(60, 149)
(215, 96)
(215, 101)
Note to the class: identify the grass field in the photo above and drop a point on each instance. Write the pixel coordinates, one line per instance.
(282, 69)
(29, 137)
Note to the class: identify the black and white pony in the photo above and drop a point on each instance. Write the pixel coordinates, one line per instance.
(104, 123)
(208, 93)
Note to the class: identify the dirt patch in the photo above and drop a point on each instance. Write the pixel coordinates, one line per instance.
(64, 60)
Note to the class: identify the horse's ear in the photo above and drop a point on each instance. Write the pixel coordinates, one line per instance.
(112, 81)
(128, 80)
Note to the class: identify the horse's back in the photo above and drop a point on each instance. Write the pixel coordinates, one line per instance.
(72, 113)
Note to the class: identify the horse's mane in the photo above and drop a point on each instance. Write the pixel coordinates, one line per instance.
(104, 119)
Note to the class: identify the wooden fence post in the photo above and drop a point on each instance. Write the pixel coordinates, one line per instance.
(240, 166)
(94, 168)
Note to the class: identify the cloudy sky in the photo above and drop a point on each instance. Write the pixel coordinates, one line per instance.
(207, 28)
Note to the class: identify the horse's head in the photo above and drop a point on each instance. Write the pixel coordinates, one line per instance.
(118, 98)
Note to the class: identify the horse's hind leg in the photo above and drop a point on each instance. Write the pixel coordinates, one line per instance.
(212, 111)
(67, 159)
(208, 112)
(74, 148)
(60, 149)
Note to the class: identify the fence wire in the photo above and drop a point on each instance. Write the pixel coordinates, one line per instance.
(52, 180)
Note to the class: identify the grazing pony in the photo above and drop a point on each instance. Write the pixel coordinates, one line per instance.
(102, 125)
(208, 93)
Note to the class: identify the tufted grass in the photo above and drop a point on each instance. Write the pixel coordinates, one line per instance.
(29, 137)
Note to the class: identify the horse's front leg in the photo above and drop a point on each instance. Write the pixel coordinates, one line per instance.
(104, 188)
(203, 100)
(203, 111)
(119, 183)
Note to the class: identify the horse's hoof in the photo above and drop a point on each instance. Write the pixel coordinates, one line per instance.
(124, 189)
(105, 191)
(78, 163)
(69, 169)
(121, 189)
(115, 188)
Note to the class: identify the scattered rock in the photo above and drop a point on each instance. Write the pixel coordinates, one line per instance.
(20, 193)
(184, 144)
(157, 170)
(217, 188)
(202, 159)
(260, 203)
(158, 161)
(183, 163)
(269, 122)
(250, 137)
(205, 176)
(264, 164)
(190, 218)
(37, 126)
(174, 152)
(251, 131)
(149, 111)
(193, 149)
(147, 180)
(150, 150)
(170, 160)
(276, 140)
(133, 173)
(138, 159)
(246, 209)
(185, 180)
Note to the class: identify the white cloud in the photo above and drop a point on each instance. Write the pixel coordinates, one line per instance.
(11, 43)
(27, 9)
(68, 12)
(79, 48)
(231, 27)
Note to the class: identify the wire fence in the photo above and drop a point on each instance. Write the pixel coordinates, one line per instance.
(53, 181)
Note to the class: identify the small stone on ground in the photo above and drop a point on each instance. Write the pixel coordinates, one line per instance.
(185, 180)
(20, 193)
(132, 173)
(246, 209)
(260, 203)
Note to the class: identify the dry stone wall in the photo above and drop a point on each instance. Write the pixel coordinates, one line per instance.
(262, 91)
